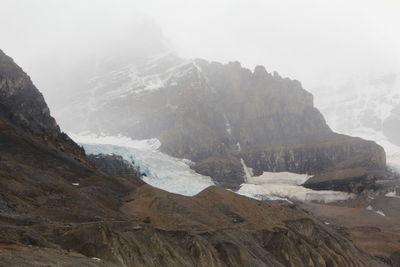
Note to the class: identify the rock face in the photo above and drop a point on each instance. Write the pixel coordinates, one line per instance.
(21, 102)
(113, 165)
(54, 206)
(351, 180)
(24, 106)
(215, 114)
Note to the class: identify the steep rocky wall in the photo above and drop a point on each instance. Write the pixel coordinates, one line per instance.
(315, 155)
(21, 102)
(24, 106)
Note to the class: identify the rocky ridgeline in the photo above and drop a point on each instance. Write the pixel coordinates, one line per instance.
(24, 106)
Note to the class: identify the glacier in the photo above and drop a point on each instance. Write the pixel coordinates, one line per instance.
(175, 175)
(161, 170)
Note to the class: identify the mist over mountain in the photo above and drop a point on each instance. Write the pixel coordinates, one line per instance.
(311, 41)
(212, 133)
(365, 106)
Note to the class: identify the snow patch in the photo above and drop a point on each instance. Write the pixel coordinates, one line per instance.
(248, 172)
(288, 185)
(392, 194)
(228, 127)
(380, 213)
(262, 197)
(376, 211)
(238, 146)
(288, 178)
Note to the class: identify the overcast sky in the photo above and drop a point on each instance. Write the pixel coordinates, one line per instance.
(304, 39)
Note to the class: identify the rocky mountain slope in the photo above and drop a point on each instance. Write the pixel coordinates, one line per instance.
(220, 116)
(57, 209)
(24, 106)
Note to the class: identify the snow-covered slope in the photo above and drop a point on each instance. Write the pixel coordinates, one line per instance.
(286, 184)
(361, 107)
(127, 81)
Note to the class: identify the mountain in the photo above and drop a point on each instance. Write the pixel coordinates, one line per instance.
(58, 209)
(222, 117)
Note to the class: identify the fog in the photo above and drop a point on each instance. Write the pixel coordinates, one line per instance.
(310, 40)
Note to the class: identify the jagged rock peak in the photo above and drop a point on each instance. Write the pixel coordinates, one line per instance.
(24, 106)
(276, 75)
(235, 65)
(21, 102)
(260, 70)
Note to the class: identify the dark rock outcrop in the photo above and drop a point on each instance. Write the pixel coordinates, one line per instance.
(113, 165)
(350, 180)
(24, 106)
(21, 102)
